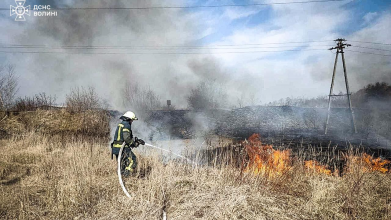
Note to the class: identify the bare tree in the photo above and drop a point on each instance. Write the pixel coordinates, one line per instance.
(45, 101)
(8, 86)
(39, 101)
(141, 99)
(241, 100)
(207, 95)
(312, 118)
(82, 99)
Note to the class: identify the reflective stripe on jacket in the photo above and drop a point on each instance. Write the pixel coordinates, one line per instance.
(122, 134)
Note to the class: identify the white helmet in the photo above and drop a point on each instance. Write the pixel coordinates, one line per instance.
(130, 115)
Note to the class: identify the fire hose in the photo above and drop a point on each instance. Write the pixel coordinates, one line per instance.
(119, 172)
(178, 155)
(150, 145)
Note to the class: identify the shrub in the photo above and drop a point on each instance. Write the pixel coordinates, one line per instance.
(83, 99)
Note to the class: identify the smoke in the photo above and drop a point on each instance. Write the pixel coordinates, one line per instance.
(109, 74)
(171, 76)
(245, 78)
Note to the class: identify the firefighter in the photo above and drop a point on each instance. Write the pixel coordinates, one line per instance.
(122, 134)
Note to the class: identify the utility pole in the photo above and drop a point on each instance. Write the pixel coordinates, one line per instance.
(340, 46)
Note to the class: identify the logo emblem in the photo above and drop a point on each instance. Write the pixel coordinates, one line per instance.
(20, 10)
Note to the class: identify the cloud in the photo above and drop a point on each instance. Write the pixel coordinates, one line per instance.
(369, 17)
(280, 75)
(237, 13)
(365, 67)
(307, 73)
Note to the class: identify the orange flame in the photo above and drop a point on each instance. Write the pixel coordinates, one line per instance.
(265, 160)
(368, 163)
(315, 166)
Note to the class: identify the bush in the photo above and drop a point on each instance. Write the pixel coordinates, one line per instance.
(39, 101)
(83, 99)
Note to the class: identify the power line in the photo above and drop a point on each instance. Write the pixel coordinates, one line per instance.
(292, 42)
(151, 47)
(355, 51)
(367, 42)
(176, 53)
(193, 6)
(178, 49)
(154, 53)
(164, 46)
(371, 48)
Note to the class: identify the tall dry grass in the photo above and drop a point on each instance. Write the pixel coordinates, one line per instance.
(45, 179)
(56, 122)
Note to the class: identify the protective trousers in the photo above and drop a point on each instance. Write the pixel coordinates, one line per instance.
(128, 161)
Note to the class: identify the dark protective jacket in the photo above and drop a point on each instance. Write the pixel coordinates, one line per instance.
(122, 134)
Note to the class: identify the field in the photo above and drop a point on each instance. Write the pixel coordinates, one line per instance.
(51, 177)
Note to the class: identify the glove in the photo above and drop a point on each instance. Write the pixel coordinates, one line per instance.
(139, 141)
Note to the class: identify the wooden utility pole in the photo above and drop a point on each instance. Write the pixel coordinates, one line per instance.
(340, 46)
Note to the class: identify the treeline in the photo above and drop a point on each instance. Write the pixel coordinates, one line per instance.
(206, 95)
(78, 99)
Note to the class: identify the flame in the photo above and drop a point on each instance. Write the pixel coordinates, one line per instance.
(315, 166)
(265, 160)
(368, 163)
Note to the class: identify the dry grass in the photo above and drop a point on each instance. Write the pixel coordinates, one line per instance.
(50, 122)
(41, 178)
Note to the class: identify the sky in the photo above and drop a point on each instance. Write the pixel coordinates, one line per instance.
(256, 54)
